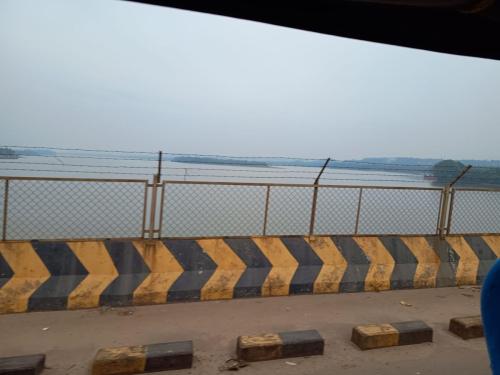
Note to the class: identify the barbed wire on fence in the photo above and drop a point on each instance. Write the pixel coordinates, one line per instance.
(278, 168)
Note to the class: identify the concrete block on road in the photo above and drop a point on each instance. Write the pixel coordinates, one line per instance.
(467, 327)
(22, 365)
(280, 345)
(144, 358)
(372, 336)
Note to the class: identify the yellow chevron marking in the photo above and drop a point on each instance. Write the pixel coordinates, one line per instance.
(468, 264)
(334, 264)
(278, 280)
(229, 270)
(29, 273)
(164, 271)
(493, 243)
(428, 262)
(95, 258)
(382, 264)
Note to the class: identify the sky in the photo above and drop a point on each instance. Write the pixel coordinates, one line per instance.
(110, 74)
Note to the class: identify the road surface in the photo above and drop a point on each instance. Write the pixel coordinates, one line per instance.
(71, 338)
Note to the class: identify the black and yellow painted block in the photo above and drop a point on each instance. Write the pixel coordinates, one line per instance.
(467, 327)
(279, 345)
(22, 365)
(54, 275)
(372, 336)
(144, 358)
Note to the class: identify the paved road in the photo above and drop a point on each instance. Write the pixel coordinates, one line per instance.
(73, 337)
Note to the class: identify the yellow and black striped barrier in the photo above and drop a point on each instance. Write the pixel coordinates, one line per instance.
(279, 345)
(47, 275)
(373, 336)
(143, 358)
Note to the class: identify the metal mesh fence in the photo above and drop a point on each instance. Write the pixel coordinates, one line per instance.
(475, 211)
(51, 208)
(336, 210)
(195, 210)
(2, 208)
(289, 210)
(399, 211)
(65, 209)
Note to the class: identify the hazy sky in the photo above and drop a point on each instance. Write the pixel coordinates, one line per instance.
(119, 75)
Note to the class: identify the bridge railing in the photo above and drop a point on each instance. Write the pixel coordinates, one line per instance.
(72, 208)
(201, 209)
(474, 211)
(75, 208)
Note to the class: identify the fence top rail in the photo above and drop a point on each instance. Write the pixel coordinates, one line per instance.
(493, 190)
(264, 184)
(11, 178)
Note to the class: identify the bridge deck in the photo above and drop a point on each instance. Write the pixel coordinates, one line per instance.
(73, 337)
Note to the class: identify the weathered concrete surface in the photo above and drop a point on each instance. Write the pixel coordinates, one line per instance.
(59, 275)
(73, 337)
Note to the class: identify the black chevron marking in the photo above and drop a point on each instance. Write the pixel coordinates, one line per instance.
(309, 265)
(405, 262)
(446, 275)
(258, 267)
(131, 273)
(66, 274)
(5, 271)
(198, 267)
(485, 255)
(357, 265)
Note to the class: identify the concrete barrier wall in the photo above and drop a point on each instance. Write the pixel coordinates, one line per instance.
(46, 275)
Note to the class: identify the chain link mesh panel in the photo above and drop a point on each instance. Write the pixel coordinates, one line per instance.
(198, 210)
(289, 210)
(399, 211)
(336, 210)
(45, 209)
(2, 208)
(476, 211)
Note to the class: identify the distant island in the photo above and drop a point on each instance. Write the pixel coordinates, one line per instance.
(218, 161)
(439, 172)
(484, 176)
(8, 153)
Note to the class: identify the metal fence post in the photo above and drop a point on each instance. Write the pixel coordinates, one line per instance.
(315, 198)
(162, 200)
(5, 206)
(266, 210)
(144, 209)
(450, 212)
(447, 206)
(313, 211)
(444, 212)
(152, 213)
(158, 174)
(358, 212)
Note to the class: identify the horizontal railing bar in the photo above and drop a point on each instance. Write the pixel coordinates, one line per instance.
(82, 239)
(254, 236)
(493, 190)
(307, 235)
(229, 183)
(474, 234)
(72, 179)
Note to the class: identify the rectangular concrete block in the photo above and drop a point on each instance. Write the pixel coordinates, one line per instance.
(169, 356)
(372, 336)
(467, 327)
(144, 358)
(413, 332)
(280, 345)
(22, 365)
